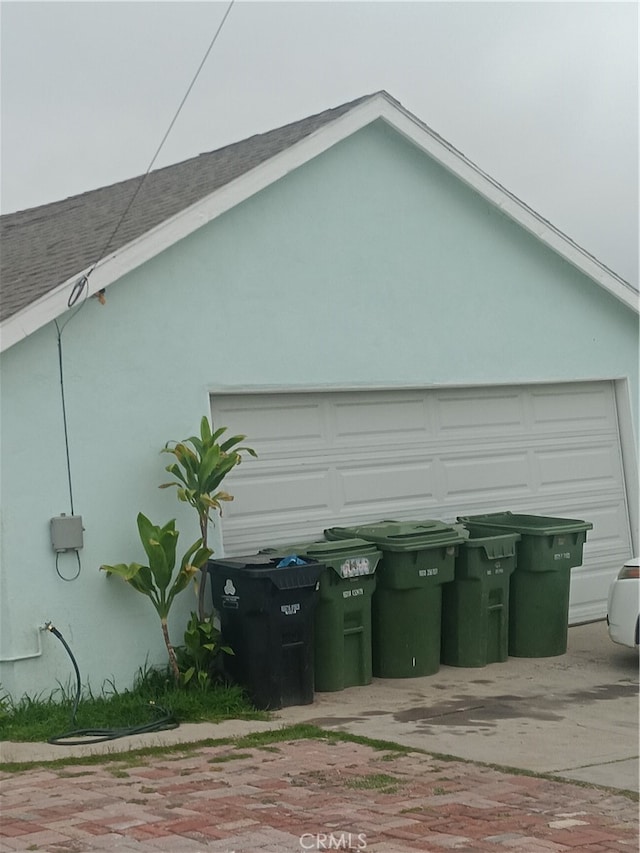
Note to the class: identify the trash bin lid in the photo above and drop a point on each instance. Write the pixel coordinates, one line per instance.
(250, 561)
(531, 525)
(265, 567)
(401, 535)
(348, 557)
(333, 549)
(495, 547)
(336, 549)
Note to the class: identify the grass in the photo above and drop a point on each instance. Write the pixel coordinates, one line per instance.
(254, 740)
(374, 781)
(265, 740)
(38, 718)
(230, 756)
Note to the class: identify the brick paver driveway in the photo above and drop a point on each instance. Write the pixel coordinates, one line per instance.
(300, 795)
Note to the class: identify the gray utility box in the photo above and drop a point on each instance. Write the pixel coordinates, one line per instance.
(66, 533)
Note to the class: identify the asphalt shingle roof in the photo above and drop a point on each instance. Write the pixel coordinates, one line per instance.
(44, 246)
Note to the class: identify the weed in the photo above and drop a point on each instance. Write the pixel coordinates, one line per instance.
(69, 774)
(229, 756)
(131, 760)
(373, 781)
(301, 731)
(119, 774)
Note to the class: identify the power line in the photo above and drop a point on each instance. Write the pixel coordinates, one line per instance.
(164, 139)
(80, 285)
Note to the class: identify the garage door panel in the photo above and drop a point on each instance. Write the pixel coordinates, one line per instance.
(338, 458)
(562, 408)
(370, 420)
(593, 467)
(363, 485)
(589, 592)
(461, 415)
(493, 474)
(274, 490)
(610, 533)
(294, 419)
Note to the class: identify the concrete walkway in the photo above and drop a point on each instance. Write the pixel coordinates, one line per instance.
(575, 716)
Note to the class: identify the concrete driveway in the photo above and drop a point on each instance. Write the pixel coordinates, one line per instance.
(575, 715)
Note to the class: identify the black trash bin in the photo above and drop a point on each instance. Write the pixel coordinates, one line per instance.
(266, 616)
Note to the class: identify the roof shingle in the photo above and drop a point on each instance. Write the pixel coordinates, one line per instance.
(44, 246)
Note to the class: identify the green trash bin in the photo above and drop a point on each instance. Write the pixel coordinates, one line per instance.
(417, 559)
(475, 607)
(342, 624)
(539, 590)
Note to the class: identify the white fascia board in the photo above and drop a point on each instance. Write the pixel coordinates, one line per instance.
(456, 163)
(33, 317)
(129, 257)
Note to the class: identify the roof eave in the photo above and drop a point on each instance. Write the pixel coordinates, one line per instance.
(454, 161)
(132, 255)
(379, 106)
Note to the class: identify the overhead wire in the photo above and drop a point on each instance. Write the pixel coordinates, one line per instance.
(80, 286)
(164, 138)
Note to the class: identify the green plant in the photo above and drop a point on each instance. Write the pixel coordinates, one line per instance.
(373, 781)
(40, 717)
(202, 648)
(156, 580)
(201, 464)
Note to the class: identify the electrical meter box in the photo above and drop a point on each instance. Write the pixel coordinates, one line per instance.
(66, 533)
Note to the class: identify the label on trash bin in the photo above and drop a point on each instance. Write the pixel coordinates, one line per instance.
(427, 573)
(290, 609)
(229, 598)
(348, 593)
(565, 555)
(355, 567)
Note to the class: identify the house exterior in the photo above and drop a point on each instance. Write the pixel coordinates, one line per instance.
(397, 335)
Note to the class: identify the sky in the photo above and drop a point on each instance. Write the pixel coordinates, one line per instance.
(543, 96)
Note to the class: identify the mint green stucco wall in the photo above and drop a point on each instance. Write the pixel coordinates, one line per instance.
(368, 267)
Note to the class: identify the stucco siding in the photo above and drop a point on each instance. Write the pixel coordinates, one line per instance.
(368, 267)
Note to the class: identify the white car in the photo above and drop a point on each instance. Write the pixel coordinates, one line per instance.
(624, 605)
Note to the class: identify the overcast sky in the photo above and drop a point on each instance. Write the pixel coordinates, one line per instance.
(543, 96)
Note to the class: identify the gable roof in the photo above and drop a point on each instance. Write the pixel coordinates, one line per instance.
(47, 248)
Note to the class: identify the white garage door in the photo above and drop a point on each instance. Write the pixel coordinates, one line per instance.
(339, 458)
